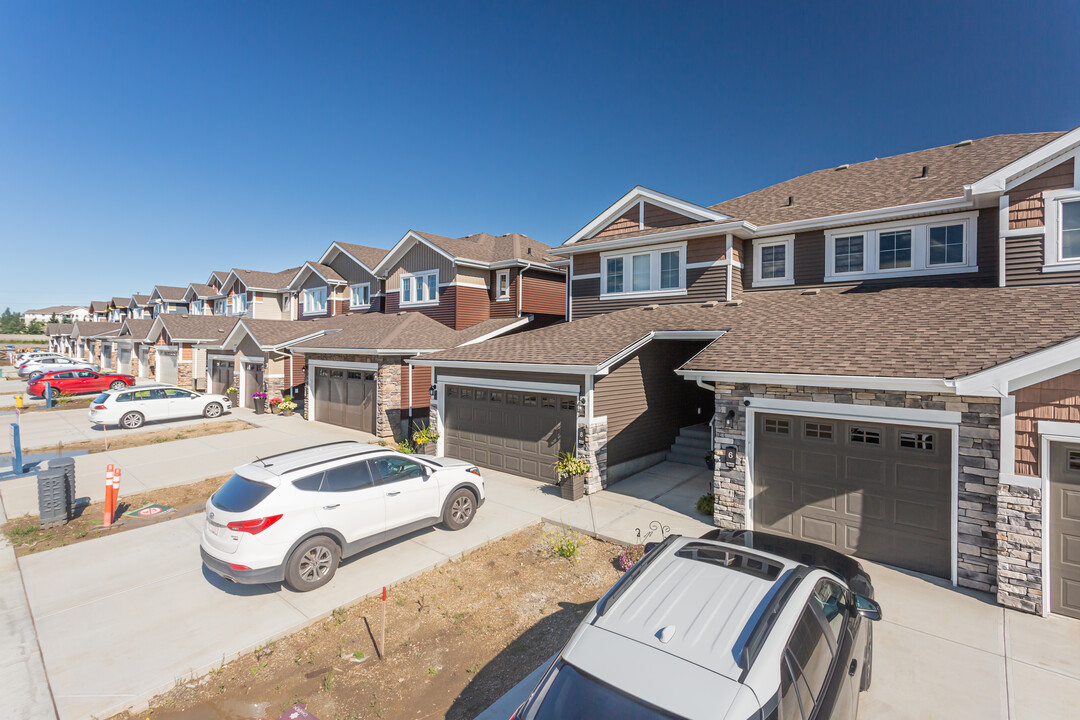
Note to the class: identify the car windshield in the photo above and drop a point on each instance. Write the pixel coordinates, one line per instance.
(239, 494)
(101, 398)
(573, 694)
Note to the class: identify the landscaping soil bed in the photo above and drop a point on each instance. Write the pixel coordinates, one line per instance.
(82, 403)
(27, 536)
(457, 638)
(123, 439)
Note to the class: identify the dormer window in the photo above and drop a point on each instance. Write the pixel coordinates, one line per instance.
(774, 261)
(1062, 248)
(196, 307)
(896, 250)
(502, 285)
(420, 288)
(240, 303)
(657, 271)
(219, 307)
(314, 301)
(360, 296)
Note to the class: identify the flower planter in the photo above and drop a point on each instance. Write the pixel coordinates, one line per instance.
(710, 461)
(573, 487)
(287, 412)
(260, 406)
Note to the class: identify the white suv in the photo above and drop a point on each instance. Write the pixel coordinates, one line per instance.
(130, 407)
(294, 516)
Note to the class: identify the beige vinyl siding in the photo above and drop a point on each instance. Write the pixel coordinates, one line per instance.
(471, 276)
(266, 306)
(420, 258)
(351, 271)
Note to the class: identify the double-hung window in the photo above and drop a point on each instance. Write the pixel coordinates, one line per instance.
(314, 301)
(420, 288)
(240, 303)
(219, 307)
(657, 271)
(773, 261)
(1070, 230)
(502, 285)
(360, 296)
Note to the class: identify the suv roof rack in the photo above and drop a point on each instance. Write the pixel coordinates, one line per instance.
(333, 459)
(778, 598)
(732, 558)
(313, 447)
(632, 574)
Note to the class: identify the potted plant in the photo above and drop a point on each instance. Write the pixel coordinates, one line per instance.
(710, 460)
(571, 471)
(425, 438)
(275, 404)
(287, 406)
(260, 402)
(232, 392)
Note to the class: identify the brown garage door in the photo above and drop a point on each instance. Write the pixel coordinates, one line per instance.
(1065, 529)
(346, 398)
(875, 490)
(517, 432)
(221, 376)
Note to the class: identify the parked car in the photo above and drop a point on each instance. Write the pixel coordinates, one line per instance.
(296, 515)
(24, 358)
(704, 628)
(130, 408)
(42, 365)
(78, 382)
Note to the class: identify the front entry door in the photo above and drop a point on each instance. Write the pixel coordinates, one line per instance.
(1065, 529)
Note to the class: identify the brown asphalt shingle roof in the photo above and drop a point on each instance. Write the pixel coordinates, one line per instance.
(120, 302)
(201, 290)
(86, 328)
(170, 293)
(137, 328)
(874, 184)
(327, 272)
(141, 299)
(258, 280)
(370, 256)
(486, 248)
(400, 331)
(99, 305)
(279, 332)
(918, 332)
(202, 328)
(52, 329)
(58, 309)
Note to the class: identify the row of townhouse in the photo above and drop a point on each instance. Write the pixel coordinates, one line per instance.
(885, 356)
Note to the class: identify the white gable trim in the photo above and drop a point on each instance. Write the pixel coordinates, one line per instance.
(402, 246)
(334, 246)
(999, 180)
(638, 196)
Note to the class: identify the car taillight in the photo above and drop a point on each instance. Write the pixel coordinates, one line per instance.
(100, 407)
(234, 566)
(255, 526)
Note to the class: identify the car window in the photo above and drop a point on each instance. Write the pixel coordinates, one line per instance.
(789, 699)
(573, 694)
(239, 494)
(101, 398)
(86, 374)
(177, 394)
(125, 397)
(146, 395)
(831, 600)
(392, 469)
(810, 656)
(311, 483)
(60, 376)
(355, 476)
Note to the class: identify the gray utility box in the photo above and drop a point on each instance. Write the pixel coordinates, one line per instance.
(52, 498)
(67, 464)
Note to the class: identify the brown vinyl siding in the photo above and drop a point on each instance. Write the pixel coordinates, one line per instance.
(295, 376)
(472, 306)
(543, 293)
(658, 217)
(1054, 399)
(420, 258)
(654, 217)
(1024, 263)
(704, 284)
(421, 382)
(1026, 204)
(708, 249)
(443, 312)
(646, 403)
(504, 308)
(351, 271)
(586, 264)
(627, 222)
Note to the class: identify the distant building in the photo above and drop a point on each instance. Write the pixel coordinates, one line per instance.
(63, 313)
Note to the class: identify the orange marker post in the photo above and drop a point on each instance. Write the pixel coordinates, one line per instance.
(382, 630)
(116, 490)
(108, 495)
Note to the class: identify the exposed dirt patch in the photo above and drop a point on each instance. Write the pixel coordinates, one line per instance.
(79, 403)
(122, 439)
(457, 638)
(27, 537)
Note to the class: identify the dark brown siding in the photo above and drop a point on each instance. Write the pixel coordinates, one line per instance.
(421, 382)
(543, 293)
(704, 284)
(658, 217)
(473, 306)
(1054, 399)
(504, 308)
(443, 312)
(586, 264)
(556, 378)
(809, 267)
(708, 249)
(627, 222)
(296, 375)
(1024, 261)
(646, 403)
(737, 255)
(1026, 205)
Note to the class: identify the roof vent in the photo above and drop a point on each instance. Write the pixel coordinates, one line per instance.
(790, 200)
(711, 303)
(651, 307)
(814, 291)
(845, 166)
(733, 303)
(963, 143)
(925, 171)
(528, 251)
(402, 312)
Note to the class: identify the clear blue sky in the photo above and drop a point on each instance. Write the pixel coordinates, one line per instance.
(147, 143)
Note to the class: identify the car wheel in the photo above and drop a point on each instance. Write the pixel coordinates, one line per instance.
(132, 420)
(868, 661)
(460, 509)
(212, 410)
(313, 564)
(117, 385)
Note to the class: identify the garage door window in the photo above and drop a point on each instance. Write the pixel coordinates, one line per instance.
(1074, 459)
(917, 440)
(496, 397)
(777, 426)
(865, 436)
(481, 395)
(513, 399)
(568, 405)
(466, 394)
(548, 402)
(529, 401)
(819, 431)
(356, 375)
(452, 392)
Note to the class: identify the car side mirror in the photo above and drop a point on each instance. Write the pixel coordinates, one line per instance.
(868, 608)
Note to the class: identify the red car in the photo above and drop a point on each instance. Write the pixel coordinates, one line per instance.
(76, 382)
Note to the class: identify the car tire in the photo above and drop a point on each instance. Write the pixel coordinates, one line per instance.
(117, 385)
(312, 564)
(460, 509)
(868, 661)
(213, 410)
(132, 420)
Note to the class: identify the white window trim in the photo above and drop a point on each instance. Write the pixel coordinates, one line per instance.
(654, 272)
(788, 241)
(1052, 260)
(412, 277)
(499, 295)
(352, 295)
(920, 248)
(237, 299)
(306, 294)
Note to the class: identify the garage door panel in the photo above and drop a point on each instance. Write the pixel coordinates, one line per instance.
(859, 490)
(1070, 550)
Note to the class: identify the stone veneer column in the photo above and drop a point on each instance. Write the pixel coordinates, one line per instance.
(275, 386)
(729, 484)
(1019, 548)
(388, 412)
(594, 452)
(183, 373)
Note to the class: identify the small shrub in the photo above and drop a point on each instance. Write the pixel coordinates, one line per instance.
(705, 504)
(563, 543)
(629, 556)
(406, 449)
(425, 435)
(328, 681)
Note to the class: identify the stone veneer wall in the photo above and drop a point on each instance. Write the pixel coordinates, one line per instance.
(1019, 541)
(594, 452)
(388, 425)
(979, 453)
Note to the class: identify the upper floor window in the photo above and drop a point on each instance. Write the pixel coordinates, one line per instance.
(420, 288)
(1062, 240)
(314, 300)
(196, 307)
(773, 261)
(1070, 230)
(360, 296)
(502, 285)
(899, 249)
(658, 271)
(239, 303)
(219, 307)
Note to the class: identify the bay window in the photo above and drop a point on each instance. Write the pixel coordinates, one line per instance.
(420, 288)
(654, 271)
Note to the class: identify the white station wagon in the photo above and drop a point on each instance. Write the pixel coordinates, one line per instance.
(130, 407)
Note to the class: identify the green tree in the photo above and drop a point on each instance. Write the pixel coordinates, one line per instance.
(11, 322)
(36, 328)
(54, 319)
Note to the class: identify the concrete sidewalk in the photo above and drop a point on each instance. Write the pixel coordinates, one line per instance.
(182, 461)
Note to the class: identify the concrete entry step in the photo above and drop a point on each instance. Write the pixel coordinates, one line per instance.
(691, 446)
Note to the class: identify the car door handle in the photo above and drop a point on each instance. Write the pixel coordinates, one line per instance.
(392, 494)
(851, 668)
(331, 507)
